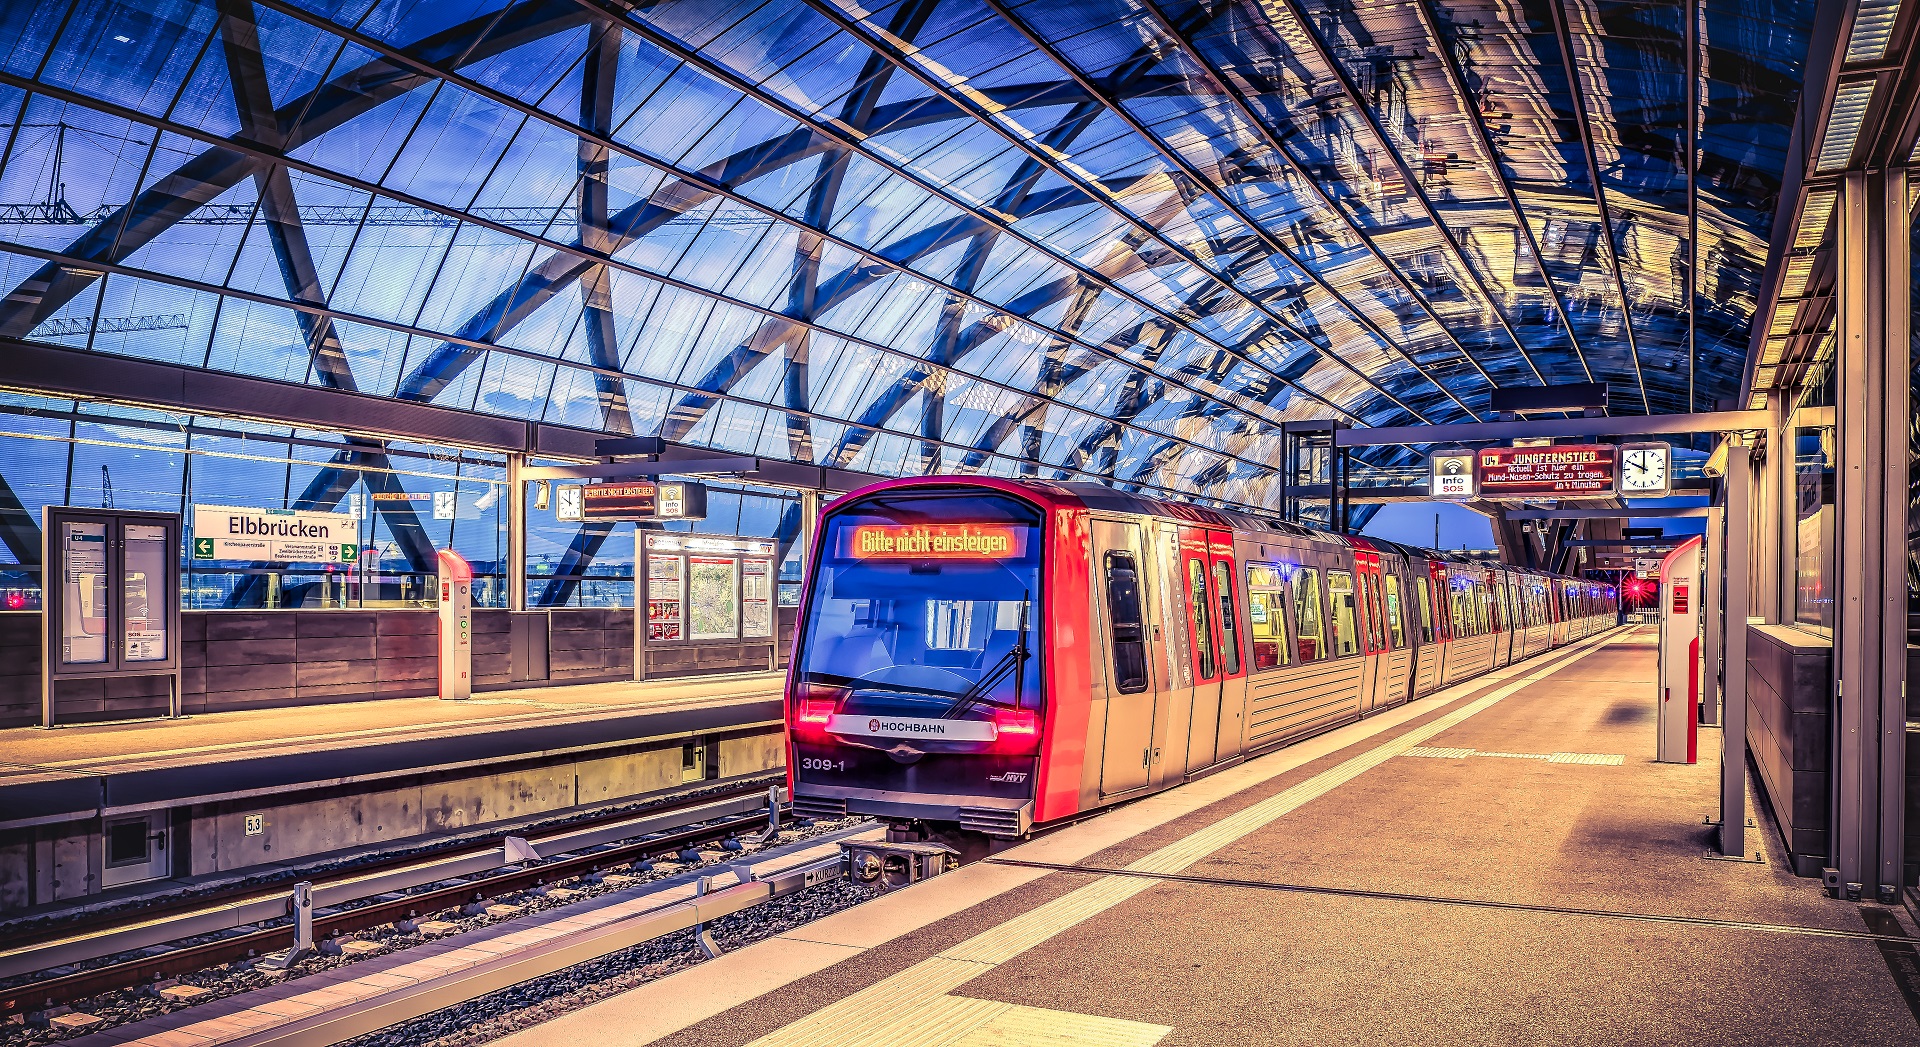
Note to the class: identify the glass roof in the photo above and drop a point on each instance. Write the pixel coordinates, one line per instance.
(1110, 239)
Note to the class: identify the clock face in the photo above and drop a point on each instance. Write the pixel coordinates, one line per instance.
(1644, 469)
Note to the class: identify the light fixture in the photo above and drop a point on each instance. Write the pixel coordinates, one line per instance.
(1763, 377)
(1850, 103)
(1814, 218)
(541, 489)
(1758, 401)
(1872, 28)
(1770, 353)
(1782, 325)
(1794, 284)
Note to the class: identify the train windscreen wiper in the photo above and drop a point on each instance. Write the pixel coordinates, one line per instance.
(1014, 661)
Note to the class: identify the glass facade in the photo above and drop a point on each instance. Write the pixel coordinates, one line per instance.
(1094, 240)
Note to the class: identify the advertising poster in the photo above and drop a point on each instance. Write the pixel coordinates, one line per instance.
(145, 610)
(664, 617)
(83, 629)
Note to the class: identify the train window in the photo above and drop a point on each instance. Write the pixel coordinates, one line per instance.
(1346, 634)
(1202, 628)
(1266, 603)
(1426, 609)
(1229, 621)
(1126, 623)
(897, 626)
(1309, 633)
(1394, 624)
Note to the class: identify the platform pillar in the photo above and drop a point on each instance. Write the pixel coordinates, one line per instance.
(1733, 729)
(1870, 536)
(516, 534)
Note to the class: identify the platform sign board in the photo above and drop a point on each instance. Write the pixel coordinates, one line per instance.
(229, 532)
(1646, 567)
(1450, 475)
(643, 500)
(112, 599)
(1552, 471)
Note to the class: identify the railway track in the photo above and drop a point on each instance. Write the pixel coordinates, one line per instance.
(366, 896)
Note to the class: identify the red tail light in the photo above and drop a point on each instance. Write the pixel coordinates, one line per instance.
(1024, 723)
(817, 706)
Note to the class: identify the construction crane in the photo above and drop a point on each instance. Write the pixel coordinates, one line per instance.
(69, 326)
(53, 208)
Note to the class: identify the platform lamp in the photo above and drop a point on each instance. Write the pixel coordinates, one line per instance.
(541, 489)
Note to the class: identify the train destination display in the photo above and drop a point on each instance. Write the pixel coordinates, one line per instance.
(936, 541)
(1555, 471)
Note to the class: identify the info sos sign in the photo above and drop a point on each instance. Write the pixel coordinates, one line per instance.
(1550, 471)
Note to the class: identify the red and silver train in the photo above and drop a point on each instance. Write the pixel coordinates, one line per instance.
(977, 656)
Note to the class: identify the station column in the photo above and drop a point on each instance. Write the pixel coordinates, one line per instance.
(1870, 592)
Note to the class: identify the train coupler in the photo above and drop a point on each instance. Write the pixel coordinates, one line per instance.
(895, 864)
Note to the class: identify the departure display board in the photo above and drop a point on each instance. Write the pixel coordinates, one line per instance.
(643, 500)
(1555, 471)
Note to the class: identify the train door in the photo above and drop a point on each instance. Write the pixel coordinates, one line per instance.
(1174, 700)
(1442, 622)
(1203, 631)
(1125, 598)
(1230, 618)
(1373, 643)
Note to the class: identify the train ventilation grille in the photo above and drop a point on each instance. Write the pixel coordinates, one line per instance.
(825, 807)
(994, 821)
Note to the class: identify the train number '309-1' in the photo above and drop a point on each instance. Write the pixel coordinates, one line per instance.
(811, 763)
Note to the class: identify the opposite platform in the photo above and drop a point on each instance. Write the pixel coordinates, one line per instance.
(1431, 875)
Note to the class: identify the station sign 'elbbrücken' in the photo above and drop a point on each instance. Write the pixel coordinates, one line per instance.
(228, 532)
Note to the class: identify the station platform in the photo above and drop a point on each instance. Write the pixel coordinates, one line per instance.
(82, 770)
(1499, 863)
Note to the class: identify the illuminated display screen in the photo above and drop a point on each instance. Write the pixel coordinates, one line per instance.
(935, 541)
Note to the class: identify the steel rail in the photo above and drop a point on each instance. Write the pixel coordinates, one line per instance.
(83, 984)
(362, 883)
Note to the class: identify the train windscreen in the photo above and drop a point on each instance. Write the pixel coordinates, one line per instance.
(920, 603)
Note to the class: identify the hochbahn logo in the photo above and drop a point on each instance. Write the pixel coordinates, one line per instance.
(877, 725)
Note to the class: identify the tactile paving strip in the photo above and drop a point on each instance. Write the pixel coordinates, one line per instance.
(1589, 759)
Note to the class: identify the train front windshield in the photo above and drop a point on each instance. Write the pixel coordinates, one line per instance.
(921, 603)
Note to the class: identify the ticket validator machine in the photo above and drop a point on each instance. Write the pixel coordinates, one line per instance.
(1682, 612)
(456, 626)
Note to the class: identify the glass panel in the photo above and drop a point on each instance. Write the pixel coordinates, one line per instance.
(1346, 632)
(84, 615)
(713, 598)
(1393, 612)
(1202, 628)
(144, 614)
(1426, 609)
(1307, 627)
(1229, 621)
(1124, 619)
(756, 593)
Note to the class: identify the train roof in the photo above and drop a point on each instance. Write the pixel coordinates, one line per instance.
(1099, 496)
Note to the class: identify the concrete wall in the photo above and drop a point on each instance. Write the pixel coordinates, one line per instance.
(60, 862)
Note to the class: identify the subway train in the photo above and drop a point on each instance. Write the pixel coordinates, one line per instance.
(979, 656)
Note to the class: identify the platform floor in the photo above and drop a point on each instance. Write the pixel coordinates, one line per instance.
(67, 770)
(1428, 876)
(95, 746)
